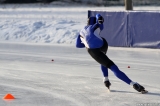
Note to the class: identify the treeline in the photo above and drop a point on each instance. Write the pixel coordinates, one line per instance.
(26, 1)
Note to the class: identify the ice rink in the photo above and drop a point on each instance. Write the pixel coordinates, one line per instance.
(74, 78)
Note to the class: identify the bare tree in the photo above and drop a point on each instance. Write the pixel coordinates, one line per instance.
(128, 5)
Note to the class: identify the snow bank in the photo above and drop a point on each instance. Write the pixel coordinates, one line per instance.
(47, 25)
(63, 31)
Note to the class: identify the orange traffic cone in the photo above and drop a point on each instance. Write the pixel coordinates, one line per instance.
(8, 96)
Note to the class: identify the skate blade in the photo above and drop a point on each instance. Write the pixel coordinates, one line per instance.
(145, 91)
(109, 89)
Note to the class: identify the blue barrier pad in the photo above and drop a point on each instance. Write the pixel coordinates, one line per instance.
(144, 28)
(131, 28)
(115, 27)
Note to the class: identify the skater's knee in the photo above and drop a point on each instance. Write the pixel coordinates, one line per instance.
(110, 63)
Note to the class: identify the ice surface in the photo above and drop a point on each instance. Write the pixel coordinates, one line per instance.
(74, 78)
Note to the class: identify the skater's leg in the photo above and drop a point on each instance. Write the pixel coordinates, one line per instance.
(124, 78)
(104, 71)
(120, 74)
(100, 57)
(105, 74)
(105, 61)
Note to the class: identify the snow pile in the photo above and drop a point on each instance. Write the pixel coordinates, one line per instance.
(39, 31)
(46, 25)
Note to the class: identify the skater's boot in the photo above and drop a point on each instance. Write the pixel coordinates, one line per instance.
(107, 84)
(138, 87)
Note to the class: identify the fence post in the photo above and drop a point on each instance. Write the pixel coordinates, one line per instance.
(128, 5)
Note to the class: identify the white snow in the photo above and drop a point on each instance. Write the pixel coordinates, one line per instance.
(31, 36)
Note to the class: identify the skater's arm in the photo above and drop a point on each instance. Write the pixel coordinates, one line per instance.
(79, 43)
(99, 23)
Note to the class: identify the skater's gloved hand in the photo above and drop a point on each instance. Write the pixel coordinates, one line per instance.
(99, 19)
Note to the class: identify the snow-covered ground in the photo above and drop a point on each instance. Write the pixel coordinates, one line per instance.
(31, 37)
